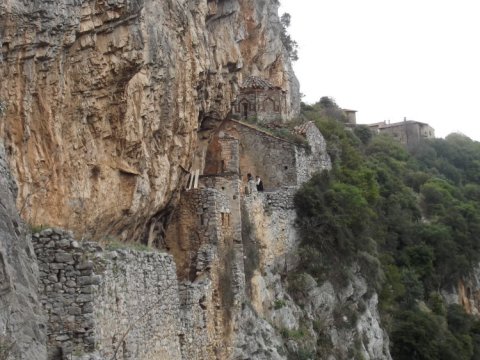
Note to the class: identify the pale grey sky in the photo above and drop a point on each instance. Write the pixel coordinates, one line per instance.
(389, 59)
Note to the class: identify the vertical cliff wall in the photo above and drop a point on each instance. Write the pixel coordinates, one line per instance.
(22, 326)
(104, 100)
(465, 293)
(290, 314)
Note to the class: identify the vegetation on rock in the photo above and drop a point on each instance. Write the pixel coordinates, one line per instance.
(410, 220)
(290, 45)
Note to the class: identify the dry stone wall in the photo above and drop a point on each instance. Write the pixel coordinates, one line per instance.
(313, 159)
(273, 159)
(105, 303)
(205, 239)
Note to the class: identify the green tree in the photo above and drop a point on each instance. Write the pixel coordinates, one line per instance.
(290, 45)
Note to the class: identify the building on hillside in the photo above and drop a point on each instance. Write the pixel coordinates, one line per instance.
(241, 148)
(408, 132)
(260, 100)
(351, 116)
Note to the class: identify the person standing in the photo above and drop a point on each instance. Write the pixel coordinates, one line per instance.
(251, 185)
(259, 183)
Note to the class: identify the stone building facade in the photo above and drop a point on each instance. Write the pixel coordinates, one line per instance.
(188, 300)
(260, 100)
(408, 132)
(277, 161)
(351, 116)
(206, 235)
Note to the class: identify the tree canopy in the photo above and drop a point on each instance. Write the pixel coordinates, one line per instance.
(411, 220)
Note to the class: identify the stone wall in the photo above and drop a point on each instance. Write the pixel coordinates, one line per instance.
(205, 239)
(313, 159)
(278, 162)
(195, 227)
(263, 105)
(222, 155)
(100, 303)
(271, 158)
(269, 239)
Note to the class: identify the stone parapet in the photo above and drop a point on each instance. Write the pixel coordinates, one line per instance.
(107, 304)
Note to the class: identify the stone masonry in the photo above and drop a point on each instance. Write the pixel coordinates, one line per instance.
(204, 238)
(243, 148)
(107, 304)
(185, 304)
(260, 99)
(315, 158)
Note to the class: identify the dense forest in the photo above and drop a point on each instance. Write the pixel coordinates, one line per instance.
(409, 219)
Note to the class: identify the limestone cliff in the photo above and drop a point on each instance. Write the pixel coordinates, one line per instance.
(109, 106)
(105, 98)
(22, 328)
(465, 293)
(290, 314)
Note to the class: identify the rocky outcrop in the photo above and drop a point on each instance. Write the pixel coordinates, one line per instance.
(109, 105)
(343, 321)
(22, 327)
(104, 100)
(465, 293)
(312, 320)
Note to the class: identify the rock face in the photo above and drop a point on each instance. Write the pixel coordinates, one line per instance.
(109, 105)
(225, 291)
(311, 320)
(104, 100)
(22, 328)
(466, 293)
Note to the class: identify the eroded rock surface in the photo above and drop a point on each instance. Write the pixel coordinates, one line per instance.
(22, 324)
(312, 320)
(465, 293)
(104, 100)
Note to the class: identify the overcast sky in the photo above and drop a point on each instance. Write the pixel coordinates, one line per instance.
(389, 59)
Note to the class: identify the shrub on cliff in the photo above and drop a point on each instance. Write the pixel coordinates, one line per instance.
(290, 45)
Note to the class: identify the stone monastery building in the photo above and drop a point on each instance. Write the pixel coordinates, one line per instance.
(408, 132)
(213, 254)
(260, 100)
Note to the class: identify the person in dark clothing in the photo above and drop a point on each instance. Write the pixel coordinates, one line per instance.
(259, 183)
